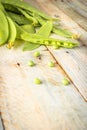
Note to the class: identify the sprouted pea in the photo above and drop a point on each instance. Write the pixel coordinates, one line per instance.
(65, 81)
(37, 81)
(31, 63)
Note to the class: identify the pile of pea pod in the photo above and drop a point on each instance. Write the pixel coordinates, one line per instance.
(19, 20)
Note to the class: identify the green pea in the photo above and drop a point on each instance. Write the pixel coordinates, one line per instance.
(31, 63)
(46, 43)
(53, 43)
(37, 54)
(66, 44)
(37, 81)
(55, 46)
(51, 64)
(65, 81)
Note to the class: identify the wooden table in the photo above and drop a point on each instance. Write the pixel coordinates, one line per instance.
(51, 105)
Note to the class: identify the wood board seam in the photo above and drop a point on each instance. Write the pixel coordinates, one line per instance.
(66, 74)
(2, 121)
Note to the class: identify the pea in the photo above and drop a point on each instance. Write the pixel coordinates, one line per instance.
(55, 46)
(37, 81)
(46, 43)
(51, 64)
(65, 81)
(31, 63)
(37, 54)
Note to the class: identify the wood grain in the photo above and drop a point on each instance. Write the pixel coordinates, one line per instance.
(1, 127)
(51, 105)
(26, 106)
(74, 63)
(74, 9)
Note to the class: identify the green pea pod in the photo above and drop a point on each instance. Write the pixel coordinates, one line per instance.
(62, 32)
(56, 30)
(12, 32)
(46, 29)
(22, 30)
(4, 32)
(1, 7)
(28, 46)
(11, 8)
(26, 6)
(34, 21)
(40, 19)
(19, 19)
(29, 28)
(69, 45)
(19, 31)
(50, 41)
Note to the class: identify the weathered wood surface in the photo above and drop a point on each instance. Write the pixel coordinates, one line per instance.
(75, 9)
(26, 106)
(75, 62)
(1, 126)
(51, 105)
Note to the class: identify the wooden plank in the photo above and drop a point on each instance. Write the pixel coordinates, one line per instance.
(74, 63)
(26, 106)
(1, 127)
(74, 9)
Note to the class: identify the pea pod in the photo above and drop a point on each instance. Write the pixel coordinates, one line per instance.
(50, 41)
(1, 7)
(26, 6)
(40, 20)
(19, 19)
(46, 29)
(56, 30)
(34, 21)
(3, 28)
(29, 28)
(28, 45)
(62, 32)
(12, 32)
(19, 31)
(11, 8)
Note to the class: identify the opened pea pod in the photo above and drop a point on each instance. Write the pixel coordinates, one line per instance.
(22, 21)
(49, 41)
